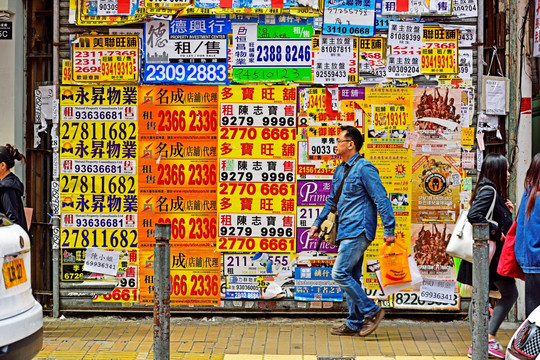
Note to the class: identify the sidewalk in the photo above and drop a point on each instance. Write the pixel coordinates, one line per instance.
(234, 338)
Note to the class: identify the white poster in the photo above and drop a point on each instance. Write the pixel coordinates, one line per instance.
(495, 94)
(403, 66)
(405, 33)
(465, 8)
(465, 63)
(467, 34)
(331, 63)
(101, 261)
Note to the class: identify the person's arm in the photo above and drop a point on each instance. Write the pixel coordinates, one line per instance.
(8, 199)
(375, 189)
(479, 209)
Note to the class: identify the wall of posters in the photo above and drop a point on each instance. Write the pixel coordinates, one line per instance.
(220, 118)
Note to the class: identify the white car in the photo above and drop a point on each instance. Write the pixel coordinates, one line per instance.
(525, 343)
(21, 316)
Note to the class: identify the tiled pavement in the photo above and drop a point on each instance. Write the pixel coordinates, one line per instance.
(233, 338)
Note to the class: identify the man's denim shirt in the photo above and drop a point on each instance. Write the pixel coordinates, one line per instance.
(363, 194)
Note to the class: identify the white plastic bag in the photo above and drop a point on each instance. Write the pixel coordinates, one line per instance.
(392, 289)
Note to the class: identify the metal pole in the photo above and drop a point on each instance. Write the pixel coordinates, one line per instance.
(480, 310)
(56, 218)
(162, 295)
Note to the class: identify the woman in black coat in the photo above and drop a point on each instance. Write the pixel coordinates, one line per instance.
(493, 181)
(11, 188)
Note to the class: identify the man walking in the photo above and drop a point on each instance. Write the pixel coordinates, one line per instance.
(362, 196)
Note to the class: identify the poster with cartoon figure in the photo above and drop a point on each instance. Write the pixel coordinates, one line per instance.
(436, 182)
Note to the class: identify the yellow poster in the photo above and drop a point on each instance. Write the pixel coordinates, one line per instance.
(394, 165)
(436, 185)
(67, 72)
(99, 58)
(467, 136)
(127, 287)
(195, 277)
(439, 50)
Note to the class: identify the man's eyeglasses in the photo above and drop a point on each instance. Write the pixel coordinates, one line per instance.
(340, 141)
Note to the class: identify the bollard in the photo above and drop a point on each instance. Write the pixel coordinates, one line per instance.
(480, 310)
(162, 292)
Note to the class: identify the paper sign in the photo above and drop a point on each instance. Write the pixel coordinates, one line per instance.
(465, 65)
(456, 179)
(355, 19)
(441, 291)
(465, 8)
(186, 51)
(411, 138)
(467, 182)
(467, 34)
(403, 66)
(343, 50)
(48, 95)
(331, 63)
(467, 160)
(405, 33)
(480, 159)
(275, 52)
(438, 61)
(467, 136)
(101, 261)
(495, 93)
(480, 140)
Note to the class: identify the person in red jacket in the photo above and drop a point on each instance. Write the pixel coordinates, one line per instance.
(11, 188)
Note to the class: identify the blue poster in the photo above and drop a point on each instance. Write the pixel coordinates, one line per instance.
(349, 17)
(315, 284)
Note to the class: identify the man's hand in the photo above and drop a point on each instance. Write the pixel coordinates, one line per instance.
(313, 232)
(389, 240)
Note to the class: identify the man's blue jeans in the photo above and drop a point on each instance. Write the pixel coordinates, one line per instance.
(346, 273)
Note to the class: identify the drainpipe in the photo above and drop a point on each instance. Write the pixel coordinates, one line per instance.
(56, 219)
(480, 49)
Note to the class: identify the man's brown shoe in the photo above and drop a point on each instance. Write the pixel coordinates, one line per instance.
(371, 323)
(344, 330)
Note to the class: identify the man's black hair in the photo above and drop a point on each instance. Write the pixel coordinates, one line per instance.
(355, 135)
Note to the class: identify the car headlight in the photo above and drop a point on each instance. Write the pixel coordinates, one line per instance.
(526, 344)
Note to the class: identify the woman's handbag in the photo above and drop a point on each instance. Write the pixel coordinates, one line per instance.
(330, 224)
(508, 265)
(461, 241)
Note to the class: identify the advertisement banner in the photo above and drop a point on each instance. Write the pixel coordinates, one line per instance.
(276, 53)
(195, 277)
(436, 183)
(439, 288)
(316, 284)
(437, 118)
(102, 58)
(186, 51)
(348, 18)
